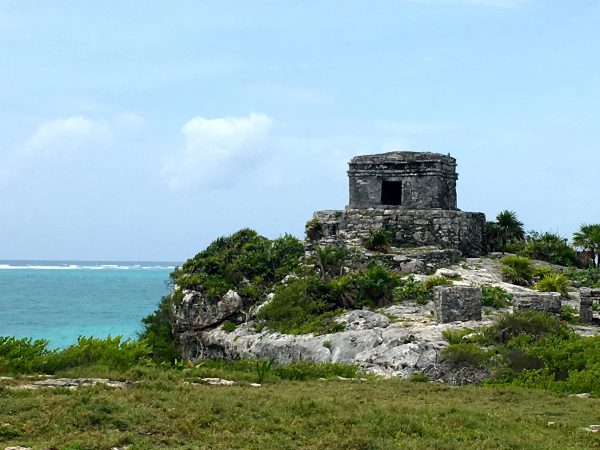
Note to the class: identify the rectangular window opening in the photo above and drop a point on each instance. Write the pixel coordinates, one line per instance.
(391, 193)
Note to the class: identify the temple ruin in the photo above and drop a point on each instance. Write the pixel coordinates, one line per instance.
(410, 194)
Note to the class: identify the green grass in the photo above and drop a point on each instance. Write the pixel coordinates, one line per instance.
(161, 411)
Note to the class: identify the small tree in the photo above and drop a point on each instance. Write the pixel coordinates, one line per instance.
(507, 228)
(588, 238)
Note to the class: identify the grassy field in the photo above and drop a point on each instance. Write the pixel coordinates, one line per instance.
(162, 411)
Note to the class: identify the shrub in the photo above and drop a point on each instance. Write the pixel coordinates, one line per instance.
(24, 355)
(517, 270)
(532, 323)
(234, 261)
(569, 315)
(465, 354)
(432, 282)
(589, 277)
(373, 286)
(456, 336)
(27, 356)
(331, 260)
(379, 240)
(301, 306)
(421, 293)
(495, 296)
(229, 326)
(551, 248)
(158, 330)
(419, 377)
(313, 230)
(262, 367)
(553, 283)
(111, 353)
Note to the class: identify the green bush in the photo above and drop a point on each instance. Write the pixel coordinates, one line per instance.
(419, 377)
(373, 287)
(553, 283)
(27, 356)
(535, 324)
(158, 330)
(589, 277)
(456, 336)
(231, 262)
(262, 367)
(432, 282)
(465, 354)
(313, 230)
(379, 240)
(111, 353)
(569, 315)
(229, 326)
(421, 293)
(24, 355)
(412, 290)
(300, 306)
(495, 296)
(517, 270)
(332, 259)
(549, 247)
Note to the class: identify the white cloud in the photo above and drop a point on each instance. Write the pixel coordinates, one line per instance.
(218, 151)
(54, 142)
(66, 135)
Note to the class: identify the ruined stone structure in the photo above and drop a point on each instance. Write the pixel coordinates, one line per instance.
(412, 195)
(403, 179)
(586, 311)
(457, 303)
(537, 301)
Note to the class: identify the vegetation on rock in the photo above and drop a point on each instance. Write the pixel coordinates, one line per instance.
(532, 349)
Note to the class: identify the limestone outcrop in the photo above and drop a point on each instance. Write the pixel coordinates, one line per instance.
(196, 312)
(409, 342)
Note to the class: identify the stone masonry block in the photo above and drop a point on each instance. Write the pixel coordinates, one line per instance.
(457, 303)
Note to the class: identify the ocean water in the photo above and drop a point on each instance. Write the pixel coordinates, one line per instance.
(61, 300)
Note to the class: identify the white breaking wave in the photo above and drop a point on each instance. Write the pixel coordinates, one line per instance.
(82, 267)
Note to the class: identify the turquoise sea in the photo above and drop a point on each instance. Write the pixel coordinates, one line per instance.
(61, 300)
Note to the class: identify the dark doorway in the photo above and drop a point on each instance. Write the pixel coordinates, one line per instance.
(391, 193)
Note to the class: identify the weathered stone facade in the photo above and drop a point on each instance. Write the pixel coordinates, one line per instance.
(412, 195)
(457, 303)
(404, 179)
(586, 311)
(538, 301)
(445, 229)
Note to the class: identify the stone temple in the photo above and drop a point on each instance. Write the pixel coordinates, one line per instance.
(412, 195)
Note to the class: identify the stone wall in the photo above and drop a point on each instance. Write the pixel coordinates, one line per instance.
(444, 229)
(586, 312)
(457, 303)
(420, 180)
(538, 301)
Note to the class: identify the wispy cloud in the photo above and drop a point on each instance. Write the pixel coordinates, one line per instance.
(66, 135)
(60, 141)
(218, 151)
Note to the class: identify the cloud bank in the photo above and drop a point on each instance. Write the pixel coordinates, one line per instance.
(217, 151)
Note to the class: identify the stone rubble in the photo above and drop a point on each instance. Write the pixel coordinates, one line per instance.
(71, 383)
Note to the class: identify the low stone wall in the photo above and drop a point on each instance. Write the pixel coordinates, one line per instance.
(445, 229)
(538, 301)
(457, 303)
(586, 312)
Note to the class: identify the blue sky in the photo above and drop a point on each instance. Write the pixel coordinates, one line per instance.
(143, 130)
